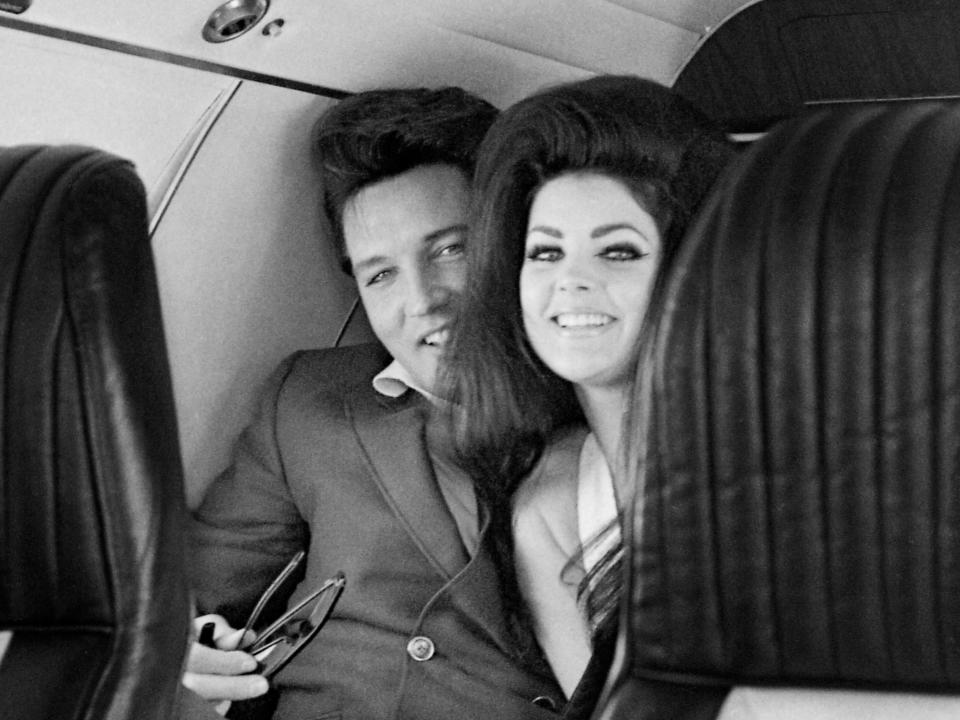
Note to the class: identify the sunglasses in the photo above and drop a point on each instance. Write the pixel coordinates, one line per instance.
(279, 642)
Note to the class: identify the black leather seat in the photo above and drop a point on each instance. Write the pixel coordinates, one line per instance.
(799, 518)
(93, 593)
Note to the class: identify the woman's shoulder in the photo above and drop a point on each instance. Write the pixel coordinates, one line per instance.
(558, 465)
(548, 495)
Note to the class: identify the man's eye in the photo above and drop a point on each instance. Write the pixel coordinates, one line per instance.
(378, 278)
(543, 253)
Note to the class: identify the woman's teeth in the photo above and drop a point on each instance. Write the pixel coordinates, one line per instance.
(574, 320)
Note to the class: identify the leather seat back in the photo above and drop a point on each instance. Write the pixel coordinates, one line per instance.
(798, 521)
(93, 590)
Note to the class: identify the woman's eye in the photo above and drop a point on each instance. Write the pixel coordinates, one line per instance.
(542, 253)
(451, 250)
(620, 253)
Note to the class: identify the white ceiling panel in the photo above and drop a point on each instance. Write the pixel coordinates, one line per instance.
(696, 16)
(592, 35)
(154, 108)
(501, 48)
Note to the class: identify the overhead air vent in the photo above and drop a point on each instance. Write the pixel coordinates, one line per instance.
(14, 6)
(233, 18)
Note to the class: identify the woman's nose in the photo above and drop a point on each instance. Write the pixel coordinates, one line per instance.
(574, 279)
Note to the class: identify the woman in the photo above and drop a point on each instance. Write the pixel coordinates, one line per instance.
(582, 193)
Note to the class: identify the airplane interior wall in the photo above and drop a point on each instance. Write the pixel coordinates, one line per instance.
(245, 273)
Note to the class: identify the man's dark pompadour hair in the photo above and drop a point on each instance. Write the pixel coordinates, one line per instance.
(378, 134)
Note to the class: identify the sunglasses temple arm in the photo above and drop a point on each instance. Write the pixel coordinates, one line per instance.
(268, 593)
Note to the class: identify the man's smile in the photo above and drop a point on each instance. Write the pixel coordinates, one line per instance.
(437, 338)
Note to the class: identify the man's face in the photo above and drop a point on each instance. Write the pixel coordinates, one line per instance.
(405, 240)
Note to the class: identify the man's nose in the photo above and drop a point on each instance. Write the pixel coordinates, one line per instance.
(427, 292)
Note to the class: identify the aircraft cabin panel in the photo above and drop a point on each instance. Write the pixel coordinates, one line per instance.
(246, 273)
(502, 50)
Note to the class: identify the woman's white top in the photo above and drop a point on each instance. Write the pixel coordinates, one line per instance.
(596, 503)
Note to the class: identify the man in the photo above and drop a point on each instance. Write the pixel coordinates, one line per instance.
(341, 460)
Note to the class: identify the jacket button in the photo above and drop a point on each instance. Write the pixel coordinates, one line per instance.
(421, 648)
(545, 701)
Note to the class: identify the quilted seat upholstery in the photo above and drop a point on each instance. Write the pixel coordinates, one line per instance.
(797, 520)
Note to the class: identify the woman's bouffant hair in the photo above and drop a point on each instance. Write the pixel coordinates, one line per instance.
(628, 128)
(376, 135)
(667, 155)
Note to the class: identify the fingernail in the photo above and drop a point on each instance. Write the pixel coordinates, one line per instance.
(248, 664)
(261, 685)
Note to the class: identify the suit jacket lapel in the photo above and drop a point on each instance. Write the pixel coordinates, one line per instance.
(391, 432)
(478, 592)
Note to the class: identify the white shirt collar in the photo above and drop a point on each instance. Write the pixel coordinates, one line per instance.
(394, 380)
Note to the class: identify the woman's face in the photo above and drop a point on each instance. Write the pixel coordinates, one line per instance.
(590, 257)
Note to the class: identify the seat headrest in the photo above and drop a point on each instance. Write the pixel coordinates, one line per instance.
(799, 519)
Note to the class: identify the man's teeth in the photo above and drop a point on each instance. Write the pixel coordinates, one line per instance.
(438, 337)
(572, 320)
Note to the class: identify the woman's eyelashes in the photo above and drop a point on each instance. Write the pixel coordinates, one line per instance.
(616, 252)
(624, 251)
(544, 253)
(448, 250)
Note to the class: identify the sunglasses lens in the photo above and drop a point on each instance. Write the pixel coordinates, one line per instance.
(289, 635)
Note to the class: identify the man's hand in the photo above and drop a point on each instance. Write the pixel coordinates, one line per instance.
(222, 673)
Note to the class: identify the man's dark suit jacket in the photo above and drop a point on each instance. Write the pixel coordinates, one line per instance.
(332, 466)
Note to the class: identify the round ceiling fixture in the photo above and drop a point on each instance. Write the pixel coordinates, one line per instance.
(233, 18)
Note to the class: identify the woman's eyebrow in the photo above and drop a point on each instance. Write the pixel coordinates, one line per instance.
(546, 230)
(613, 227)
